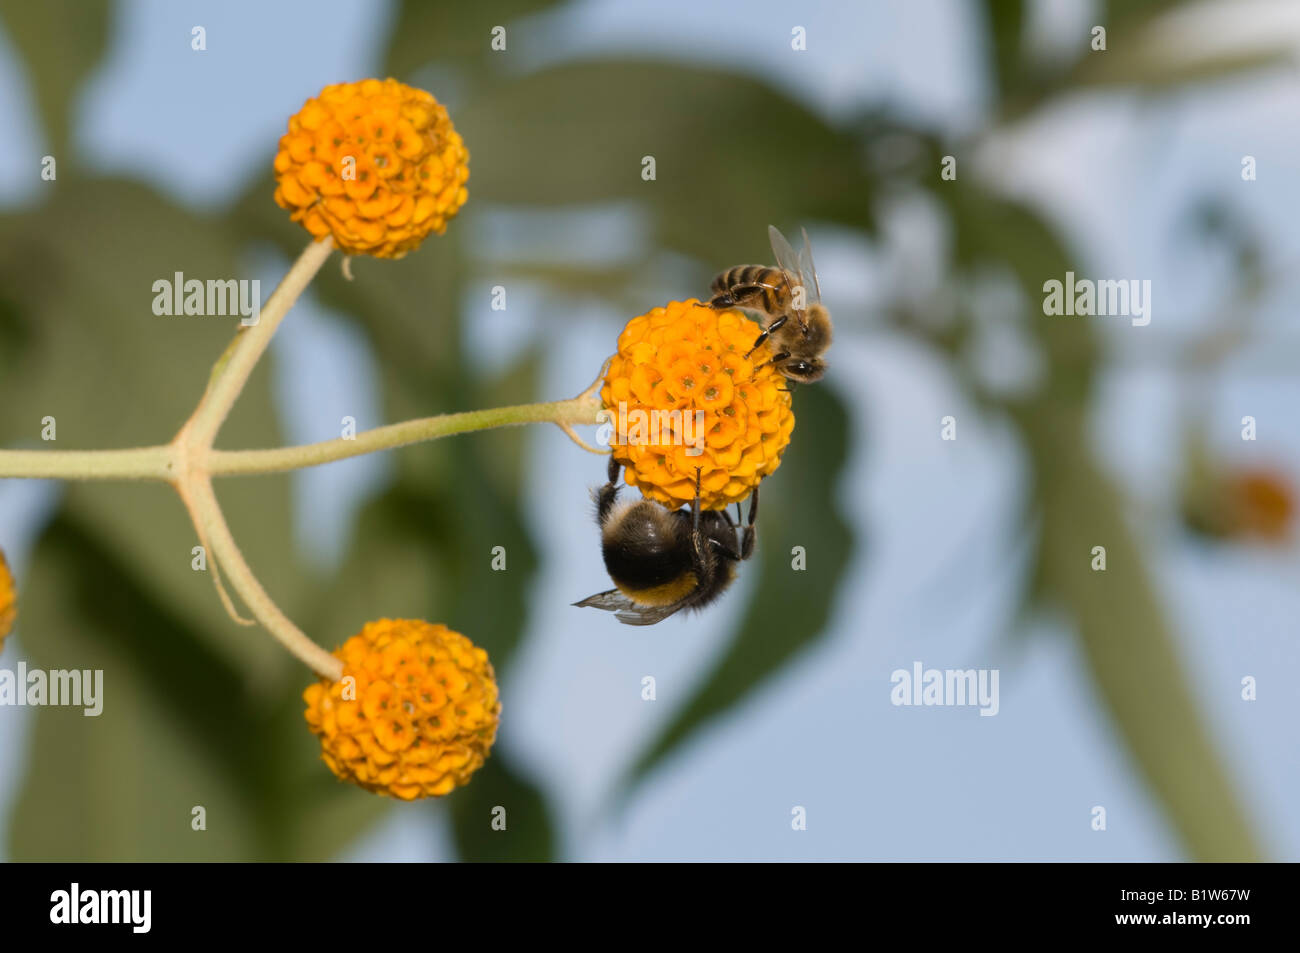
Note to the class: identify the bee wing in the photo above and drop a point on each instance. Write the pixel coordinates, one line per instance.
(786, 259)
(627, 611)
(807, 270)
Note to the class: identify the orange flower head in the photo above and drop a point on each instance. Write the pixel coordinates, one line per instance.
(1263, 503)
(414, 714)
(8, 600)
(682, 397)
(377, 164)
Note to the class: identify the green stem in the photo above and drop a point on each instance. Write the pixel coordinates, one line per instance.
(157, 463)
(236, 364)
(142, 463)
(228, 560)
(579, 410)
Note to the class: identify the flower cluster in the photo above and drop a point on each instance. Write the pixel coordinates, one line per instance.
(1240, 504)
(1264, 504)
(376, 163)
(682, 365)
(414, 714)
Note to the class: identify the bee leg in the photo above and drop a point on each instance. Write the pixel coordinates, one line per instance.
(747, 538)
(731, 552)
(776, 359)
(789, 386)
(698, 558)
(695, 508)
(767, 332)
(608, 493)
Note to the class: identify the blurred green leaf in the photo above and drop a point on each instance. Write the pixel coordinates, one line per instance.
(789, 609)
(1125, 12)
(614, 284)
(1159, 70)
(391, 570)
(307, 814)
(79, 271)
(1125, 636)
(490, 604)
(425, 552)
(1006, 25)
(61, 42)
(504, 451)
(1138, 55)
(1120, 623)
(989, 230)
(732, 155)
(177, 727)
(528, 833)
(454, 33)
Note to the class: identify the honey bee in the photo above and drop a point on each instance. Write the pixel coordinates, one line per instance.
(663, 560)
(799, 330)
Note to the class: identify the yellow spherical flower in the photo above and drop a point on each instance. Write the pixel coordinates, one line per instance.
(682, 395)
(414, 713)
(1256, 503)
(8, 600)
(377, 164)
(1264, 503)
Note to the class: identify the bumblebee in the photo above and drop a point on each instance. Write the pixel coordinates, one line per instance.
(799, 329)
(663, 560)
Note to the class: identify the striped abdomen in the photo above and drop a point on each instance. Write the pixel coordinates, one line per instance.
(752, 286)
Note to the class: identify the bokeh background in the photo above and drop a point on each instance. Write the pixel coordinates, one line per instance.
(1120, 689)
